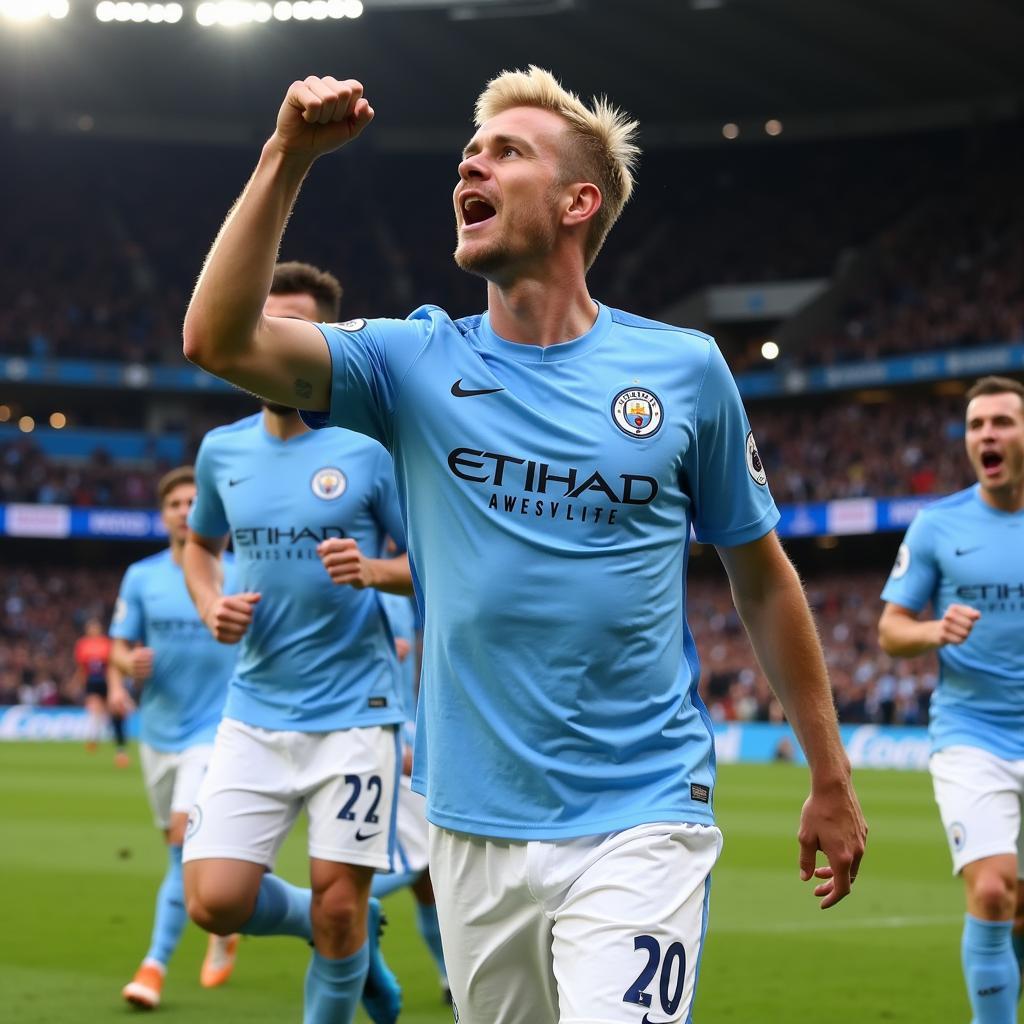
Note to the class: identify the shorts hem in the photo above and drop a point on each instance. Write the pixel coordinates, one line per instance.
(1002, 851)
(379, 861)
(225, 853)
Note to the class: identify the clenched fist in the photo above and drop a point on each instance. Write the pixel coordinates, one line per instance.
(956, 624)
(230, 615)
(346, 564)
(320, 115)
(141, 661)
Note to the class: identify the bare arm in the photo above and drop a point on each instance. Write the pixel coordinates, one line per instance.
(119, 701)
(225, 330)
(346, 564)
(771, 602)
(227, 617)
(903, 635)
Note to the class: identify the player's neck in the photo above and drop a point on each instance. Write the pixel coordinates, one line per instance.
(177, 551)
(541, 312)
(283, 426)
(1005, 499)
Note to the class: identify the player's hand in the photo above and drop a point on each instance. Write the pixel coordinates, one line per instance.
(956, 624)
(831, 821)
(319, 115)
(402, 648)
(141, 661)
(345, 563)
(230, 615)
(119, 701)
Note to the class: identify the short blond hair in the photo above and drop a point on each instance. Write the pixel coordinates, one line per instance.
(174, 478)
(605, 152)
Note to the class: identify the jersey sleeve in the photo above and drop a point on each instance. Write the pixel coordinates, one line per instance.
(207, 516)
(915, 574)
(386, 509)
(129, 620)
(369, 361)
(729, 486)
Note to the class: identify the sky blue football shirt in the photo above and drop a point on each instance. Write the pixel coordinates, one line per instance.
(183, 698)
(960, 550)
(318, 656)
(549, 494)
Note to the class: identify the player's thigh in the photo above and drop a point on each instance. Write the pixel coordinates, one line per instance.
(496, 934)
(350, 778)
(159, 771)
(247, 800)
(979, 800)
(628, 936)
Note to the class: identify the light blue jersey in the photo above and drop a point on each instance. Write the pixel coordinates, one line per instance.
(183, 698)
(317, 656)
(960, 550)
(401, 613)
(549, 494)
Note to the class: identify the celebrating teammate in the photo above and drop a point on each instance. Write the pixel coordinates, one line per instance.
(551, 456)
(181, 678)
(964, 556)
(313, 707)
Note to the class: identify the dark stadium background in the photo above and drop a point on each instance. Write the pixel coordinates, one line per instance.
(867, 218)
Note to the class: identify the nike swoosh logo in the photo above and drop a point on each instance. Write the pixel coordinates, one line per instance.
(967, 551)
(460, 392)
(360, 838)
(240, 480)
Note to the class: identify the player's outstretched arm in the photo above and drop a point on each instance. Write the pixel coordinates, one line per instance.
(227, 616)
(225, 330)
(903, 635)
(771, 602)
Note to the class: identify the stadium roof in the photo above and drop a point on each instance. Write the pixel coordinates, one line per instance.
(684, 67)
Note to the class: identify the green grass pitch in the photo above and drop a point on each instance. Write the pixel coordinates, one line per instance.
(80, 864)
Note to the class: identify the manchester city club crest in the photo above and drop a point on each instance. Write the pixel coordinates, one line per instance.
(637, 412)
(351, 325)
(958, 836)
(329, 483)
(902, 563)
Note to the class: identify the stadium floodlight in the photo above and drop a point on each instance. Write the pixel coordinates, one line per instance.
(283, 10)
(353, 8)
(173, 13)
(26, 424)
(105, 10)
(770, 350)
(58, 420)
(33, 10)
(5, 413)
(773, 127)
(731, 130)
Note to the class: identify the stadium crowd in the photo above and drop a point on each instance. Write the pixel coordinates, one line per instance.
(44, 611)
(910, 445)
(869, 686)
(745, 215)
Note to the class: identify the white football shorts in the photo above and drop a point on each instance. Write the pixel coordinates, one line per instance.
(259, 779)
(412, 847)
(172, 779)
(979, 797)
(603, 929)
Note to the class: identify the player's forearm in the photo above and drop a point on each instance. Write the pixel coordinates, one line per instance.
(223, 318)
(904, 637)
(204, 576)
(120, 660)
(782, 633)
(392, 575)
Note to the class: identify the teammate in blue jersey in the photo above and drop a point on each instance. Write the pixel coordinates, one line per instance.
(551, 456)
(181, 679)
(963, 557)
(313, 706)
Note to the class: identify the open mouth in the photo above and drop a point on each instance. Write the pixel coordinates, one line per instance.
(476, 210)
(991, 461)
